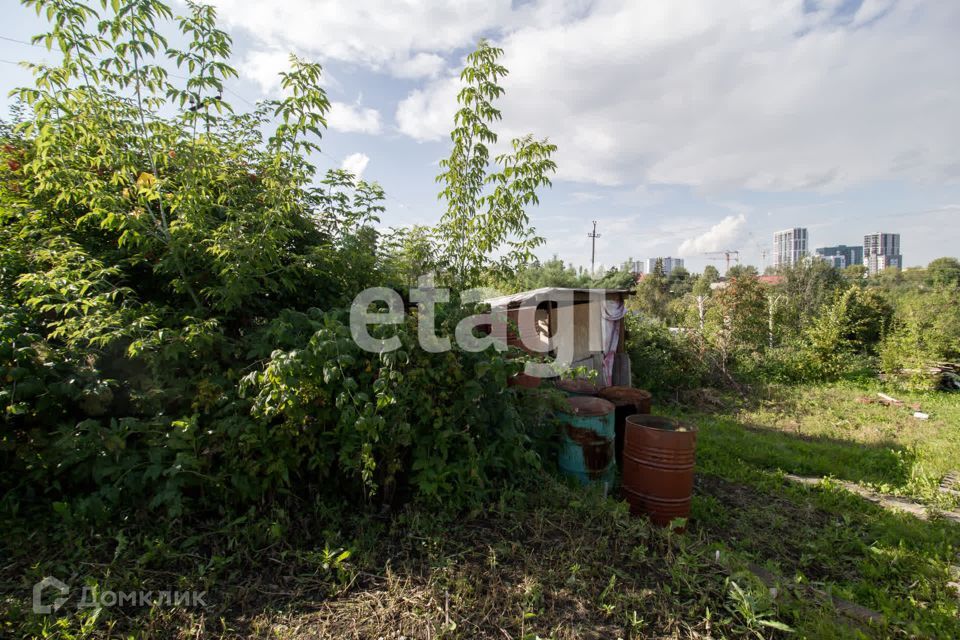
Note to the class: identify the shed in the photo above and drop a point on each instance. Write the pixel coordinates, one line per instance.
(596, 334)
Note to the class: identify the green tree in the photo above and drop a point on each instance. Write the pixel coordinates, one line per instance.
(615, 279)
(702, 286)
(486, 210)
(740, 270)
(549, 273)
(808, 286)
(679, 282)
(944, 272)
(710, 273)
(737, 318)
(162, 258)
(854, 273)
(925, 331)
(652, 298)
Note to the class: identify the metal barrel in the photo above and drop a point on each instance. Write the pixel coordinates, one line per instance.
(628, 401)
(658, 459)
(577, 387)
(586, 449)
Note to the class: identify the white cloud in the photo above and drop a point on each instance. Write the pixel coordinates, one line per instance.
(368, 32)
(719, 237)
(264, 67)
(356, 163)
(871, 10)
(768, 96)
(421, 65)
(585, 196)
(428, 114)
(353, 118)
(720, 96)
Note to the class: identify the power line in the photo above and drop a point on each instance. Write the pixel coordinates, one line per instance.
(9, 39)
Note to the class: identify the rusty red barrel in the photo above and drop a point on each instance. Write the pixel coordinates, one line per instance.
(628, 401)
(658, 457)
(524, 381)
(577, 387)
(586, 450)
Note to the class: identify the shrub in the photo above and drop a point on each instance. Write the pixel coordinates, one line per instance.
(662, 361)
(157, 248)
(926, 331)
(443, 423)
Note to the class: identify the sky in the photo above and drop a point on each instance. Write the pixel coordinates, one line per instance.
(683, 126)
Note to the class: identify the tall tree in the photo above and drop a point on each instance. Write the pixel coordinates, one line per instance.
(486, 210)
(944, 272)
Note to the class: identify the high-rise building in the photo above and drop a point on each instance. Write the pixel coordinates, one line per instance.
(881, 251)
(835, 260)
(789, 246)
(669, 264)
(841, 255)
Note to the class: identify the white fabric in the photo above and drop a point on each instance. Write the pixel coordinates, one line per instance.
(613, 313)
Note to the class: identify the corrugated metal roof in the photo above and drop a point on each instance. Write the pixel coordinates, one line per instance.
(544, 293)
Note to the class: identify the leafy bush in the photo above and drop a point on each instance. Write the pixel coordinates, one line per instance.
(158, 249)
(443, 422)
(662, 361)
(926, 331)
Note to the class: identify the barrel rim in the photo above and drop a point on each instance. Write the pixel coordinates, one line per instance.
(640, 419)
(577, 385)
(589, 406)
(622, 395)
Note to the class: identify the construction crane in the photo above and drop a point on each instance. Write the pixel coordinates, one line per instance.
(724, 254)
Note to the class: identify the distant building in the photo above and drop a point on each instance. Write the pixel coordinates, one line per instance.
(837, 261)
(789, 246)
(881, 251)
(649, 265)
(841, 255)
(772, 281)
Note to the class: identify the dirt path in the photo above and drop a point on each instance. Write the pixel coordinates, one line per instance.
(892, 503)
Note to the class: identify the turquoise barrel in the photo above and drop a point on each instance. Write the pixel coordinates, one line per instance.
(587, 443)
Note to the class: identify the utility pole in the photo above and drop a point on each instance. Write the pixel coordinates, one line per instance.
(593, 246)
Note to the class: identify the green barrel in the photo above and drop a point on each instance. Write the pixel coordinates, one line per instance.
(587, 446)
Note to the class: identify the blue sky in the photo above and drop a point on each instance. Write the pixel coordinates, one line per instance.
(683, 126)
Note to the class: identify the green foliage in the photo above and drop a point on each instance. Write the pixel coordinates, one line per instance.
(661, 361)
(441, 422)
(736, 319)
(944, 272)
(652, 297)
(741, 271)
(549, 273)
(926, 331)
(615, 279)
(486, 211)
(158, 249)
(808, 287)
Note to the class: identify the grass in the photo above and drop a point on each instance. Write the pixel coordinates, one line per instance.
(893, 563)
(841, 431)
(555, 561)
